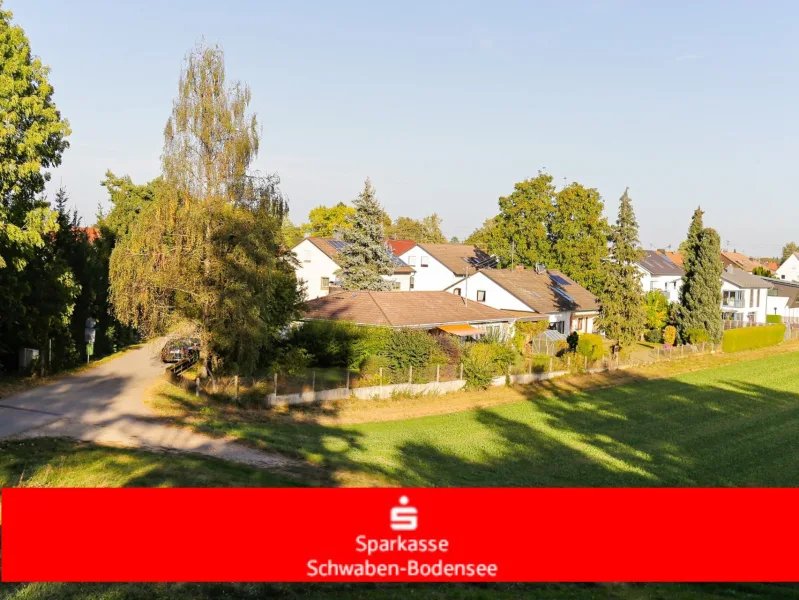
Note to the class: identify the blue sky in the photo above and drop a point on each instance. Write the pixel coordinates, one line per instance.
(446, 105)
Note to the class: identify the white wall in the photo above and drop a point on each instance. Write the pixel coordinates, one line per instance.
(315, 264)
(780, 303)
(668, 284)
(434, 277)
(496, 297)
(750, 304)
(789, 270)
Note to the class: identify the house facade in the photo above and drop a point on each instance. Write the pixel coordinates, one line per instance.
(439, 313)
(566, 305)
(789, 270)
(658, 272)
(438, 266)
(318, 266)
(744, 296)
(783, 299)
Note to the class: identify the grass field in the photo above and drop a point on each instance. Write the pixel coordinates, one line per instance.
(733, 425)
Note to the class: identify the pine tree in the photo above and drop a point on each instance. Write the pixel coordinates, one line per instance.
(623, 313)
(700, 295)
(365, 259)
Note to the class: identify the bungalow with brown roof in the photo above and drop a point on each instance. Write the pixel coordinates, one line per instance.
(567, 305)
(318, 266)
(739, 261)
(437, 312)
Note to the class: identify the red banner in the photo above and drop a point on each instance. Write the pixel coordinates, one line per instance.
(400, 535)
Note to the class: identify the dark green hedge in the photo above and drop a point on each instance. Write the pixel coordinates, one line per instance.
(748, 338)
(773, 318)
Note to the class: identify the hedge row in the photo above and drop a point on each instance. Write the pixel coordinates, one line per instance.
(748, 338)
(773, 318)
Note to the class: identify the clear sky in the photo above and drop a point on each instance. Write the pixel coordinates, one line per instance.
(446, 104)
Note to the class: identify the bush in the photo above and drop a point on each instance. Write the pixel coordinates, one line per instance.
(590, 345)
(294, 361)
(696, 336)
(654, 336)
(485, 360)
(773, 318)
(669, 335)
(748, 338)
(339, 343)
(572, 339)
(449, 347)
(413, 348)
(370, 371)
(526, 331)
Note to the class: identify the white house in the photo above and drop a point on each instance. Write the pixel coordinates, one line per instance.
(318, 264)
(568, 306)
(783, 299)
(438, 266)
(789, 270)
(744, 296)
(658, 272)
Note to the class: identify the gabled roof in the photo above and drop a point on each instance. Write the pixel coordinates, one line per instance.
(785, 289)
(332, 247)
(404, 309)
(659, 264)
(675, 257)
(740, 260)
(742, 279)
(547, 292)
(457, 257)
(400, 246)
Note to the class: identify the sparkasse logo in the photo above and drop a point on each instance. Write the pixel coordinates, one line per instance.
(404, 517)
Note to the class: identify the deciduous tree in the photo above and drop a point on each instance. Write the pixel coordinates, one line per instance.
(522, 222)
(328, 221)
(789, 249)
(425, 230)
(578, 236)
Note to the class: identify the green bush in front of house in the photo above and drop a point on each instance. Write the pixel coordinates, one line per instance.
(749, 338)
(773, 318)
(485, 360)
(590, 346)
(696, 335)
(413, 348)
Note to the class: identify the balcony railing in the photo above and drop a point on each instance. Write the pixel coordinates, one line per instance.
(732, 302)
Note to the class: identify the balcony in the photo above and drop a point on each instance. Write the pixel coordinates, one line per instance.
(732, 302)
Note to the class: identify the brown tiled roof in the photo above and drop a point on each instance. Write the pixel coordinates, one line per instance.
(742, 279)
(400, 246)
(325, 245)
(403, 309)
(675, 257)
(538, 291)
(739, 260)
(455, 256)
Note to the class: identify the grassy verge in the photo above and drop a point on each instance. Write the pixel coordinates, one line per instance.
(11, 383)
(51, 462)
(731, 424)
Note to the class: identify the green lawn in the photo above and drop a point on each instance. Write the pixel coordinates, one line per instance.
(733, 425)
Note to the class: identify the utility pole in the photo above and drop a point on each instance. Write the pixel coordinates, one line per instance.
(513, 255)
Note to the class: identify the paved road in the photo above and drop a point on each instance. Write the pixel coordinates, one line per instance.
(105, 405)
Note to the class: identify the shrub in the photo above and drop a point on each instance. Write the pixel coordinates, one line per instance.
(669, 335)
(696, 336)
(338, 343)
(294, 361)
(526, 331)
(413, 348)
(561, 348)
(449, 347)
(654, 336)
(572, 339)
(590, 345)
(773, 318)
(485, 360)
(749, 338)
(370, 371)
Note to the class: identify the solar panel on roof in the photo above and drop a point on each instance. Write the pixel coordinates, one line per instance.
(559, 280)
(338, 244)
(564, 294)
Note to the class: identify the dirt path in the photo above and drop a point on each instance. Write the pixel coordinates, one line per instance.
(105, 405)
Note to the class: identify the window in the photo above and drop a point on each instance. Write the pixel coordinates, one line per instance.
(481, 295)
(306, 256)
(758, 298)
(325, 283)
(396, 284)
(579, 323)
(457, 291)
(422, 261)
(751, 298)
(412, 283)
(412, 261)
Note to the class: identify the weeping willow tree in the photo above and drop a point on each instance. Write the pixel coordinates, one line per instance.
(207, 249)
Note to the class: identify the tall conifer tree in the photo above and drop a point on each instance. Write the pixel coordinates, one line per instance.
(623, 313)
(365, 259)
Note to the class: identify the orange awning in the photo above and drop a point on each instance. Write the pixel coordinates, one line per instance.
(462, 330)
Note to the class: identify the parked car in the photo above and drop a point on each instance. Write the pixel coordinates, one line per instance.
(178, 350)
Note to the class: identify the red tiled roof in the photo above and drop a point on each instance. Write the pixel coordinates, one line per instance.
(400, 246)
(739, 260)
(405, 309)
